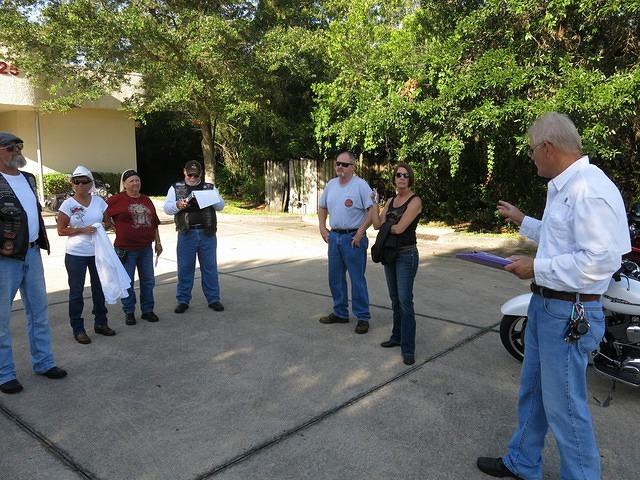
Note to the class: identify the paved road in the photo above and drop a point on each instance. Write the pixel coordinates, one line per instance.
(264, 391)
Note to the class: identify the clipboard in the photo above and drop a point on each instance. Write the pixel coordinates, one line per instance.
(484, 258)
(205, 198)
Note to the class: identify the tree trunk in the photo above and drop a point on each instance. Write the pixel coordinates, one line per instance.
(207, 149)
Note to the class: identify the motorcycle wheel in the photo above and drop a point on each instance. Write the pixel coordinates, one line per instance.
(512, 329)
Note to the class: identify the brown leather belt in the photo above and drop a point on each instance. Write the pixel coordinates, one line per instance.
(566, 296)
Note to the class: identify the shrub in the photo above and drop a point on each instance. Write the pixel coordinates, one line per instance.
(246, 185)
(56, 183)
(252, 190)
(112, 178)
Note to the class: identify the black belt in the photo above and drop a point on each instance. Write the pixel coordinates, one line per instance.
(566, 296)
(340, 230)
(33, 244)
(197, 226)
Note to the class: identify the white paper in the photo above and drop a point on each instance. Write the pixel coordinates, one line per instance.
(206, 198)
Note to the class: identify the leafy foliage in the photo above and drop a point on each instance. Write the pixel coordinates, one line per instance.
(449, 86)
(453, 87)
(110, 178)
(195, 58)
(56, 183)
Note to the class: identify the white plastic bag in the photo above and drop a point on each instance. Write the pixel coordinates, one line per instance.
(113, 277)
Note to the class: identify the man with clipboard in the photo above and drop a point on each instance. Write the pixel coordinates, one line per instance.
(194, 203)
(581, 238)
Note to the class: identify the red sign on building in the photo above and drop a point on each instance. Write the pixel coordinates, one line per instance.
(8, 69)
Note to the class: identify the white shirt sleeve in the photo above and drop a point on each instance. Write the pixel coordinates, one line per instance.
(170, 207)
(65, 207)
(594, 256)
(322, 203)
(365, 193)
(530, 228)
(102, 205)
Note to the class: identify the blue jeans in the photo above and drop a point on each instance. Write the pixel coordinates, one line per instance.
(28, 277)
(553, 393)
(345, 258)
(77, 272)
(400, 275)
(190, 244)
(143, 260)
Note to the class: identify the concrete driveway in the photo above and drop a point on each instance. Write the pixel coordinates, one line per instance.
(264, 391)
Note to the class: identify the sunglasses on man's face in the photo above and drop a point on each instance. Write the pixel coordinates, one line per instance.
(193, 175)
(402, 175)
(343, 164)
(12, 147)
(81, 182)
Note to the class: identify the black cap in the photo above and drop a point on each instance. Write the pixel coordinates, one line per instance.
(128, 173)
(7, 138)
(193, 166)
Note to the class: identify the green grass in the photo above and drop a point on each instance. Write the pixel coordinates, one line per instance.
(505, 234)
(240, 207)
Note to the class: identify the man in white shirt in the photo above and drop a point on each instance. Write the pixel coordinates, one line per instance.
(22, 235)
(581, 239)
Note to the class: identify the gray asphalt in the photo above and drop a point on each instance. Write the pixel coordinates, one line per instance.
(264, 391)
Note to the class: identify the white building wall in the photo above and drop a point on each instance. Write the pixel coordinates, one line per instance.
(101, 140)
(16, 91)
(98, 135)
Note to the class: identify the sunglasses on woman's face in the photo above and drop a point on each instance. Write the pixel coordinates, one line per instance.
(12, 147)
(81, 182)
(402, 175)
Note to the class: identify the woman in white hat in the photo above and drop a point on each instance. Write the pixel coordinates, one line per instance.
(76, 216)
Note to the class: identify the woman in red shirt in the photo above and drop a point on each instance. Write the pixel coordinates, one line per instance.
(136, 224)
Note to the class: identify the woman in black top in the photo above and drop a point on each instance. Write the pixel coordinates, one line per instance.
(403, 212)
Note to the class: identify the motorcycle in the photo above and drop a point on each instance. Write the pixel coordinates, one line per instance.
(618, 355)
(633, 219)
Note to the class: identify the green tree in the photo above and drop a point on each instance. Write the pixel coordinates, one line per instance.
(447, 85)
(241, 71)
(182, 56)
(452, 87)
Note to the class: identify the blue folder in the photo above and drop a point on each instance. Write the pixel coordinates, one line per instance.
(484, 258)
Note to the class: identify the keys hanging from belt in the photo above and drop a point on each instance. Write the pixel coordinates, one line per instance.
(578, 325)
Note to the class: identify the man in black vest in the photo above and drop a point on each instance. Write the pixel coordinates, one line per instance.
(22, 235)
(194, 203)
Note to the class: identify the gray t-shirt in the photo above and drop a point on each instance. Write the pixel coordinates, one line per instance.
(347, 204)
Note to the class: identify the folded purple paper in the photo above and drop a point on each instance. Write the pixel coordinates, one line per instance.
(484, 258)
